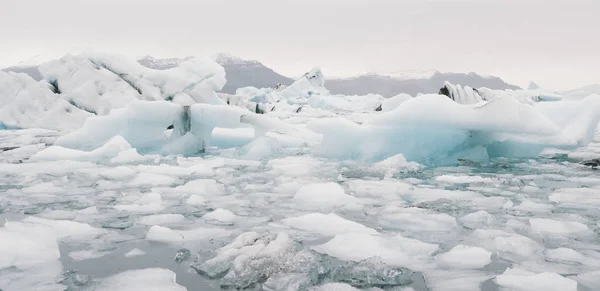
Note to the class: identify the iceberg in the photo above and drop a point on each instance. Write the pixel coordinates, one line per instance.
(436, 129)
(76, 87)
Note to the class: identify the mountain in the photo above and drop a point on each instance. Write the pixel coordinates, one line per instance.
(242, 73)
(389, 86)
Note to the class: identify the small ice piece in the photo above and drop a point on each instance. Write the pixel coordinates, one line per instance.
(509, 246)
(590, 280)
(531, 206)
(292, 281)
(86, 255)
(118, 173)
(151, 179)
(396, 164)
(463, 179)
(334, 287)
(195, 200)
(455, 280)
(396, 251)
(570, 255)
(326, 224)
(385, 189)
(464, 257)
(324, 195)
(182, 255)
(520, 280)
(207, 187)
(167, 235)
(558, 227)
(420, 195)
(147, 203)
(417, 219)
(142, 279)
(476, 219)
(579, 197)
(162, 219)
(221, 215)
(134, 253)
(371, 272)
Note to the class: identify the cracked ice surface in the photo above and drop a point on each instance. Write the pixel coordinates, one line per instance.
(296, 221)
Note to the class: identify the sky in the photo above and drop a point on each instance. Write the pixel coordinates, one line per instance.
(555, 43)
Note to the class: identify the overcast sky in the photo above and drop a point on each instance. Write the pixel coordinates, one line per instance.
(553, 42)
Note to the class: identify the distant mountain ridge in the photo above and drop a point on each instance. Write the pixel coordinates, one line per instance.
(243, 73)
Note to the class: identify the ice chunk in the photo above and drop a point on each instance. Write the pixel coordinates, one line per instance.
(143, 279)
(293, 281)
(334, 287)
(202, 187)
(570, 255)
(464, 257)
(167, 235)
(417, 219)
(420, 195)
(434, 129)
(150, 179)
(476, 219)
(221, 215)
(25, 103)
(371, 272)
(147, 203)
(32, 249)
(558, 227)
(311, 83)
(66, 229)
(384, 189)
(392, 103)
(253, 257)
(161, 219)
(118, 173)
(463, 179)
(324, 195)
(326, 224)
(86, 254)
(108, 151)
(577, 197)
(451, 280)
(396, 164)
(522, 280)
(509, 246)
(531, 206)
(394, 251)
(134, 253)
(590, 280)
(182, 255)
(195, 200)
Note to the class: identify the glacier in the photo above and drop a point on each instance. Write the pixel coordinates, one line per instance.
(105, 162)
